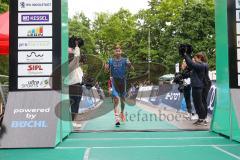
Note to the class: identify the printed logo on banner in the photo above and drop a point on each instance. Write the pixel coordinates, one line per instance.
(35, 31)
(34, 5)
(35, 57)
(34, 69)
(173, 96)
(31, 117)
(34, 44)
(35, 18)
(34, 83)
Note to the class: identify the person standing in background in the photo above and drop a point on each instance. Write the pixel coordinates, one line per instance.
(75, 78)
(185, 72)
(207, 83)
(197, 84)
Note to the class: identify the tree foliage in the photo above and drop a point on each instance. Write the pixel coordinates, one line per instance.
(167, 23)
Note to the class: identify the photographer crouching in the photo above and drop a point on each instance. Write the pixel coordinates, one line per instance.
(199, 76)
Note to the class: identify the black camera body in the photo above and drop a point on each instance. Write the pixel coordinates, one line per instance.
(185, 49)
(179, 78)
(73, 39)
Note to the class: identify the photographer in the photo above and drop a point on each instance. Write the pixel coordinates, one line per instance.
(186, 72)
(197, 81)
(207, 84)
(75, 76)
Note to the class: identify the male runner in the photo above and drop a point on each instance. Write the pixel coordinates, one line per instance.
(118, 67)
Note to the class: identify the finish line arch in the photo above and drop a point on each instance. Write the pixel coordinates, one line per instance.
(46, 129)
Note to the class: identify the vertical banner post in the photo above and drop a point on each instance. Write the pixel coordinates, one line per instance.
(33, 114)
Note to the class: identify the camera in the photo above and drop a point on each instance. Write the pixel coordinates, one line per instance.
(179, 79)
(185, 48)
(72, 42)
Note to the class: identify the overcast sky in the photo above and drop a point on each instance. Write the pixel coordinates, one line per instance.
(89, 7)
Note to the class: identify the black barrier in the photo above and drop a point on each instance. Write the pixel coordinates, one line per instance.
(168, 95)
(173, 98)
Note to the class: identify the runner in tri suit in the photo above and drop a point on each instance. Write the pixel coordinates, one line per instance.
(118, 67)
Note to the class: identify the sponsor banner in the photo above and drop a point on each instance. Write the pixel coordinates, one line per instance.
(238, 41)
(173, 98)
(238, 4)
(35, 18)
(169, 95)
(238, 28)
(238, 15)
(35, 57)
(34, 5)
(238, 67)
(35, 83)
(30, 119)
(239, 80)
(34, 43)
(154, 95)
(238, 54)
(35, 31)
(34, 69)
(211, 98)
(144, 93)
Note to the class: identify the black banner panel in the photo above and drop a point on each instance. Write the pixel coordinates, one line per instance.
(234, 42)
(35, 45)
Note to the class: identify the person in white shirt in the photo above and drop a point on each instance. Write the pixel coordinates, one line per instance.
(75, 79)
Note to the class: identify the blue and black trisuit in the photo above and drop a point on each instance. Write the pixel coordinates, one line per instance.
(118, 70)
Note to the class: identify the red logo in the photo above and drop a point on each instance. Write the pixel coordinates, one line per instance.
(34, 68)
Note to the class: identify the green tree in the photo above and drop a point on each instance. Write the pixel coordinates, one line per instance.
(172, 22)
(117, 28)
(197, 27)
(79, 26)
(4, 5)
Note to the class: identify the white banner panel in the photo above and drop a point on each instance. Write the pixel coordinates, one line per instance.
(238, 54)
(238, 41)
(35, 83)
(238, 28)
(237, 4)
(35, 57)
(238, 15)
(239, 67)
(35, 31)
(34, 43)
(239, 80)
(34, 69)
(35, 18)
(34, 5)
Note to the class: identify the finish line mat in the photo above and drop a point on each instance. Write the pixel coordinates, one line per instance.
(134, 146)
